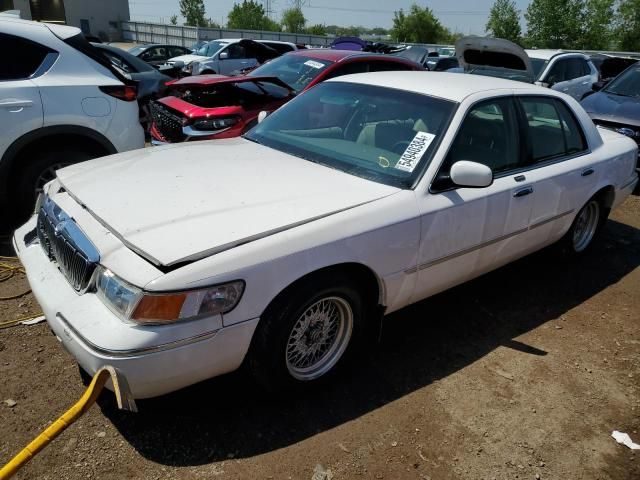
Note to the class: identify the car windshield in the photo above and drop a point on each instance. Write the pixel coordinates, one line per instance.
(137, 50)
(626, 84)
(538, 65)
(380, 134)
(297, 71)
(211, 47)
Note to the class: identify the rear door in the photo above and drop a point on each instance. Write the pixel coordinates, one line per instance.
(561, 168)
(20, 102)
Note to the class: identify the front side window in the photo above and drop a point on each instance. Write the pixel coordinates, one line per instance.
(236, 51)
(488, 135)
(552, 130)
(21, 57)
(558, 72)
(381, 134)
(574, 68)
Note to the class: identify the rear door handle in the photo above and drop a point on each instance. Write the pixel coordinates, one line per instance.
(523, 191)
(587, 172)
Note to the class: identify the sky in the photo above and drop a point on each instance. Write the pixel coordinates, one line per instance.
(464, 16)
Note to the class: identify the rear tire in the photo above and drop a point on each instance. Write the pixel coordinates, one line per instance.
(307, 335)
(585, 229)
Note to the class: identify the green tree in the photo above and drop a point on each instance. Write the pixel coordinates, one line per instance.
(212, 24)
(554, 23)
(597, 30)
(173, 20)
(420, 25)
(378, 31)
(271, 25)
(628, 25)
(193, 12)
(504, 21)
(317, 29)
(249, 15)
(293, 20)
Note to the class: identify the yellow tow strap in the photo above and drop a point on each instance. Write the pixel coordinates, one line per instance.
(125, 402)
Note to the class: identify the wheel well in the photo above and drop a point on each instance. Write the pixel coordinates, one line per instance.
(208, 71)
(364, 279)
(62, 140)
(607, 195)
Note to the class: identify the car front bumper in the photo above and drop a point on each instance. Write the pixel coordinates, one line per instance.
(96, 337)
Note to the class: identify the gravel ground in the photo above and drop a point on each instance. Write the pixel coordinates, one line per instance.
(521, 374)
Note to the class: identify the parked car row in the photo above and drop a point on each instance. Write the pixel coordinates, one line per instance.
(356, 184)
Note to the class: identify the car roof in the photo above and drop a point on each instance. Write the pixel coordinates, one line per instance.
(332, 55)
(545, 54)
(450, 86)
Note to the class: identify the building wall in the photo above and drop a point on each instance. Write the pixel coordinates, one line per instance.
(104, 16)
(23, 6)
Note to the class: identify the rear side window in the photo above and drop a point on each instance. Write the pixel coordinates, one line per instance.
(552, 130)
(21, 58)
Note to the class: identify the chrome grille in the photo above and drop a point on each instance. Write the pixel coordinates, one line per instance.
(64, 243)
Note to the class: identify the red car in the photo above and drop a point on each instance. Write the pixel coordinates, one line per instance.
(216, 106)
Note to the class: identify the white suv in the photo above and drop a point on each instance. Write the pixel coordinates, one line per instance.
(61, 102)
(566, 72)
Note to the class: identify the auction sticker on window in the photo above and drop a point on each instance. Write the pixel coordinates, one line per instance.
(312, 64)
(412, 155)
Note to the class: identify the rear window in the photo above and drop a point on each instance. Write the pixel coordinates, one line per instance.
(82, 45)
(21, 58)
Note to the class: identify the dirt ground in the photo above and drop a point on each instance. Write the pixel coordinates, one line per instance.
(521, 374)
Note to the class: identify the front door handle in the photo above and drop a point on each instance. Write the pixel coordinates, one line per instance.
(15, 104)
(523, 191)
(587, 172)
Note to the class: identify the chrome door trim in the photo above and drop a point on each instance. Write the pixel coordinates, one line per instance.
(459, 253)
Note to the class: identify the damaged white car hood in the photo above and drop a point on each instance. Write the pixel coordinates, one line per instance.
(184, 202)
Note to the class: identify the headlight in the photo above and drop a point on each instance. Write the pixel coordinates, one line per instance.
(215, 123)
(188, 68)
(131, 303)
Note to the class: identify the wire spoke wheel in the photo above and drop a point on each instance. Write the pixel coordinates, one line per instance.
(586, 225)
(318, 338)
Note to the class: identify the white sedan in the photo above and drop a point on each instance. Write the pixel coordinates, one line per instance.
(280, 249)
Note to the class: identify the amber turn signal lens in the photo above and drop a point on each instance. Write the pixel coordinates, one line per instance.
(159, 308)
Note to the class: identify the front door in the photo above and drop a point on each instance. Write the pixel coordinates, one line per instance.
(469, 231)
(235, 60)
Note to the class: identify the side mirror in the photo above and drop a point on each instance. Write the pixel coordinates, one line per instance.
(223, 55)
(262, 115)
(471, 174)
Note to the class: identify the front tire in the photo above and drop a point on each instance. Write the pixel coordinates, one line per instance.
(307, 335)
